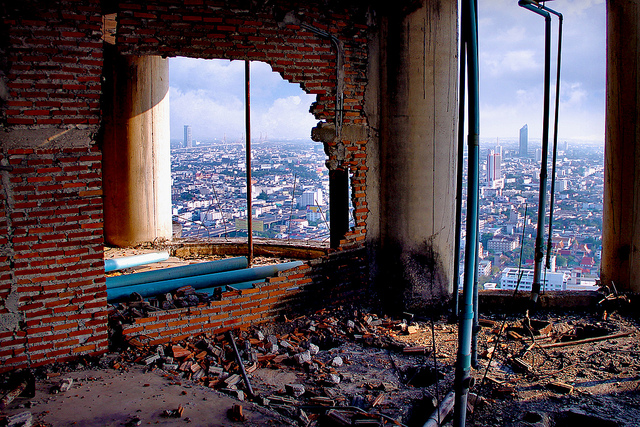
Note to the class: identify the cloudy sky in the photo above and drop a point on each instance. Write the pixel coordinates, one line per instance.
(209, 95)
(511, 46)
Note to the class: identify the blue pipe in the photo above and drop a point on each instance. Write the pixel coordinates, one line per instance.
(199, 282)
(134, 261)
(463, 378)
(459, 177)
(542, 197)
(199, 269)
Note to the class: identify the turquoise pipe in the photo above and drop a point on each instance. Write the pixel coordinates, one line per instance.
(134, 261)
(200, 282)
(463, 379)
(198, 269)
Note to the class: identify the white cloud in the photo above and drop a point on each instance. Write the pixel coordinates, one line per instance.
(288, 116)
(209, 95)
(499, 63)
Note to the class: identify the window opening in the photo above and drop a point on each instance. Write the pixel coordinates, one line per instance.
(290, 181)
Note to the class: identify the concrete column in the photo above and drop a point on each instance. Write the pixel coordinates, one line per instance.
(621, 213)
(417, 149)
(136, 151)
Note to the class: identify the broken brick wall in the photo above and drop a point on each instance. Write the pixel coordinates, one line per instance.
(337, 278)
(52, 292)
(52, 287)
(332, 65)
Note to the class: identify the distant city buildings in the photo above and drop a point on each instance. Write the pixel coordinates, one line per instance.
(524, 141)
(188, 141)
(551, 281)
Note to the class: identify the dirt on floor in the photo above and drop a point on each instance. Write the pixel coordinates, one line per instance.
(352, 367)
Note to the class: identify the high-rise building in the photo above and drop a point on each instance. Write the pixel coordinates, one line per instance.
(494, 168)
(538, 154)
(310, 198)
(188, 142)
(524, 141)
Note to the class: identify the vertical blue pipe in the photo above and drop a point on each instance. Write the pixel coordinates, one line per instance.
(463, 367)
(542, 197)
(459, 176)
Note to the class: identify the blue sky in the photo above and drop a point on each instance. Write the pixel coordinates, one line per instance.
(209, 94)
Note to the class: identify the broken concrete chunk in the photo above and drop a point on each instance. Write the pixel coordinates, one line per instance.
(215, 370)
(333, 379)
(337, 361)
(23, 419)
(285, 344)
(313, 349)
(272, 339)
(259, 335)
(232, 380)
(65, 384)
(295, 390)
(151, 359)
(350, 324)
(302, 358)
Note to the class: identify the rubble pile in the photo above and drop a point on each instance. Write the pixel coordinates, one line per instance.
(138, 307)
(329, 371)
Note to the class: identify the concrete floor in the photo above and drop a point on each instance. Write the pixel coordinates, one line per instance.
(107, 397)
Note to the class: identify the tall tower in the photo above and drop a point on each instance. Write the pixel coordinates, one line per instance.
(524, 141)
(188, 142)
(494, 168)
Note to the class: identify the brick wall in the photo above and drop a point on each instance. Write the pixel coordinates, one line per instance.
(52, 291)
(293, 292)
(52, 288)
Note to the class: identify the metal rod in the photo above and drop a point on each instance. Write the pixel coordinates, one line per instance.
(247, 383)
(476, 320)
(555, 134)
(247, 95)
(542, 198)
(463, 378)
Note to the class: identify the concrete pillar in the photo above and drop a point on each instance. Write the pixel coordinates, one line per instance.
(621, 213)
(136, 151)
(417, 149)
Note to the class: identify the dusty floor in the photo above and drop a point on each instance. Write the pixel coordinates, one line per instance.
(371, 368)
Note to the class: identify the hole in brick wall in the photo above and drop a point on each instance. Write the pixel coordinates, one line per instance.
(207, 99)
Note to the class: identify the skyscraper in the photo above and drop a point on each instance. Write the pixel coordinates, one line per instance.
(494, 170)
(524, 141)
(188, 142)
